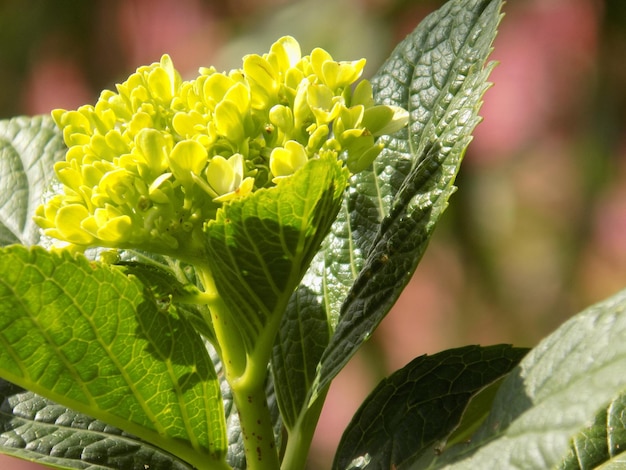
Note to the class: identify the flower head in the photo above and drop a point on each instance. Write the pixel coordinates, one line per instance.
(153, 161)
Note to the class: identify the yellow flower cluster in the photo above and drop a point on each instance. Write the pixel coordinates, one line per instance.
(149, 164)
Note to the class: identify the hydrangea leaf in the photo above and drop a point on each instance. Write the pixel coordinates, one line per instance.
(439, 74)
(390, 210)
(419, 406)
(259, 247)
(616, 462)
(29, 146)
(37, 429)
(554, 394)
(601, 443)
(171, 282)
(295, 356)
(93, 339)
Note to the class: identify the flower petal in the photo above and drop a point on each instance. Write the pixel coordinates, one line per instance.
(68, 222)
(187, 157)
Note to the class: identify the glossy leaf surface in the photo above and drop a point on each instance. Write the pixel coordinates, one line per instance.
(554, 394)
(37, 429)
(302, 339)
(418, 407)
(439, 74)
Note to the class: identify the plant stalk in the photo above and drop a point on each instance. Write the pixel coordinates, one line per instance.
(246, 377)
(256, 427)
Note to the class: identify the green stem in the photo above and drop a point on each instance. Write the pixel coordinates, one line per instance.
(256, 427)
(246, 377)
(230, 344)
(301, 435)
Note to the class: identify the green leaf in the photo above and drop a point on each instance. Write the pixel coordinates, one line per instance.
(552, 395)
(589, 447)
(419, 406)
(168, 280)
(302, 339)
(438, 73)
(259, 247)
(616, 463)
(34, 428)
(170, 284)
(93, 339)
(28, 149)
(601, 443)
(163, 282)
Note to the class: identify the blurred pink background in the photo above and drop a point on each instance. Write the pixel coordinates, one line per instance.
(536, 230)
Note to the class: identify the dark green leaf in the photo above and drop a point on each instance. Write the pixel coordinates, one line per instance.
(93, 339)
(303, 336)
(438, 73)
(552, 395)
(419, 406)
(37, 429)
(28, 148)
(163, 282)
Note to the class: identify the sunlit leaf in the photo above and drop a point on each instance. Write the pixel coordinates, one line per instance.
(93, 339)
(554, 394)
(29, 146)
(259, 247)
(439, 74)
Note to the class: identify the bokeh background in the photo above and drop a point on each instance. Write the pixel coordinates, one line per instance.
(537, 229)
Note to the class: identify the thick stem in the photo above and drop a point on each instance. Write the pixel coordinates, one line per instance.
(256, 428)
(246, 378)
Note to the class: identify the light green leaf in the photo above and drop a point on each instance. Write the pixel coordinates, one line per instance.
(553, 394)
(259, 247)
(439, 74)
(28, 148)
(170, 283)
(616, 463)
(418, 407)
(169, 279)
(93, 339)
(34, 428)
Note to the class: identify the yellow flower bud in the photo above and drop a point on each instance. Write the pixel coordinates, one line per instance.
(285, 161)
(142, 161)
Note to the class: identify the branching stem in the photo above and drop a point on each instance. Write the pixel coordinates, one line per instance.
(247, 381)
